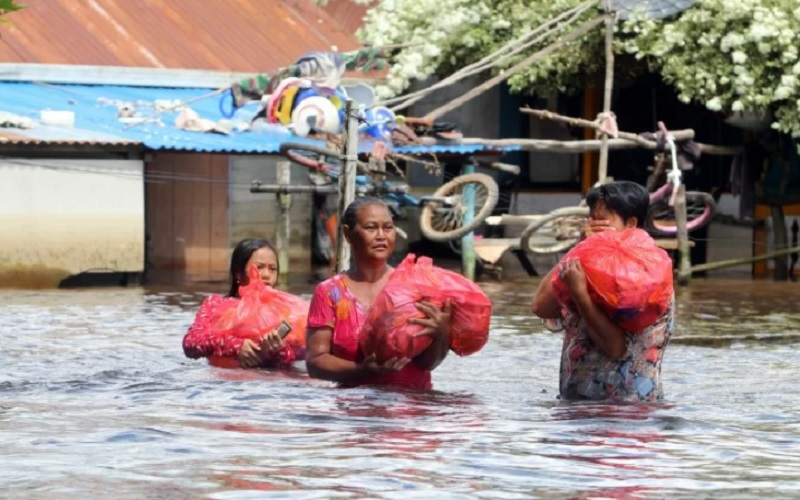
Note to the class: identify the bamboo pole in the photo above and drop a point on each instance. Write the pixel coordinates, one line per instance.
(347, 182)
(519, 67)
(284, 225)
(555, 146)
(684, 246)
(580, 122)
(468, 240)
(680, 135)
(711, 266)
(608, 88)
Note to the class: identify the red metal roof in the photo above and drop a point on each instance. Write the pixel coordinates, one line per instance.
(347, 13)
(224, 35)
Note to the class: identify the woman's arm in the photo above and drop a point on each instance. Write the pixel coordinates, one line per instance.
(607, 336)
(545, 305)
(321, 364)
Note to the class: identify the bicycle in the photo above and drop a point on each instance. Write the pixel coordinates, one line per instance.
(560, 230)
(443, 215)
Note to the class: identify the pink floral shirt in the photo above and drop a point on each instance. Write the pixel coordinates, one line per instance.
(335, 307)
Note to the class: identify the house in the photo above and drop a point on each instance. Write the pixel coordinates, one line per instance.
(82, 191)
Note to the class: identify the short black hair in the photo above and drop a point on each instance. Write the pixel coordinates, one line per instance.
(241, 254)
(625, 198)
(350, 215)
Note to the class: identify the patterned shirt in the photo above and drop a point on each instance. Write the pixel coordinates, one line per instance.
(587, 373)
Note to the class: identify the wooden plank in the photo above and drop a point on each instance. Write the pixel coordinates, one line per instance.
(183, 209)
(220, 220)
(159, 211)
(198, 240)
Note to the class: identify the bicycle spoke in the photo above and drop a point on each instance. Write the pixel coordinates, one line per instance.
(450, 218)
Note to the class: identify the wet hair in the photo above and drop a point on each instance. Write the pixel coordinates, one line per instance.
(350, 215)
(624, 198)
(241, 254)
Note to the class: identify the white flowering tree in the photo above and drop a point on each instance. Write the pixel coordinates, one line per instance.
(729, 55)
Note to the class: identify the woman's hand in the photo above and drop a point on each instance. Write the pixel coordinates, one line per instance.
(371, 366)
(249, 354)
(596, 226)
(437, 321)
(272, 342)
(573, 276)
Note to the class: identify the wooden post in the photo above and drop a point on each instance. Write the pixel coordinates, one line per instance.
(608, 88)
(468, 240)
(794, 256)
(284, 224)
(684, 248)
(780, 238)
(347, 182)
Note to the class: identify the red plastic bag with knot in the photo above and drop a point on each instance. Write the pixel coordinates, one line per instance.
(629, 277)
(261, 310)
(387, 332)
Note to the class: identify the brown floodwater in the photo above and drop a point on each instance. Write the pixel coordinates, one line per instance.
(97, 400)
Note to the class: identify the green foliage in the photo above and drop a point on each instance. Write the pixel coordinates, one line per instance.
(7, 7)
(729, 55)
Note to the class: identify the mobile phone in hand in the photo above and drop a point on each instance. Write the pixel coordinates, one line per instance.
(284, 329)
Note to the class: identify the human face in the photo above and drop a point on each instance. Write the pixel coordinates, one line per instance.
(374, 235)
(266, 262)
(613, 220)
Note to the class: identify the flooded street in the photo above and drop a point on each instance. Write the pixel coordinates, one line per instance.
(98, 401)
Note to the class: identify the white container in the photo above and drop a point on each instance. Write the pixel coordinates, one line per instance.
(58, 118)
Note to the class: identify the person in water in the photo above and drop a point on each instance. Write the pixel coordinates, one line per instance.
(340, 304)
(600, 360)
(202, 341)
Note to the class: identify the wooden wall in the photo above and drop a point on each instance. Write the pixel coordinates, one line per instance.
(187, 217)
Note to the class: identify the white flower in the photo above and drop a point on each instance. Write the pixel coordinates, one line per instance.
(737, 105)
(714, 104)
(782, 93)
(739, 57)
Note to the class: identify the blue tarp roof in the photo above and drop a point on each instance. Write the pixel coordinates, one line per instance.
(96, 120)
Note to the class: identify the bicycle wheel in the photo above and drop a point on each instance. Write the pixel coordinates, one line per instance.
(312, 156)
(555, 232)
(700, 209)
(443, 220)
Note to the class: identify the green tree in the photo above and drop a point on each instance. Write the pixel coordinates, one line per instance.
(6, 7)
(729, 55)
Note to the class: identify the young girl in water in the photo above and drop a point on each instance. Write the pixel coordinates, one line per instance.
(599, 359)
(203, 341)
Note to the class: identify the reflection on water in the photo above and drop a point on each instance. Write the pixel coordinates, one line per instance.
(96, 397)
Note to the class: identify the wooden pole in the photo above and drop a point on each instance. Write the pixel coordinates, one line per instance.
(468, 240)
(284, 224)
(684, 247)
(780, 238)
(711, 266)
(608, 87)
(347, 182)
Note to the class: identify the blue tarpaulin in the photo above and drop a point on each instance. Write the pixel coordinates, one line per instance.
(97, 120)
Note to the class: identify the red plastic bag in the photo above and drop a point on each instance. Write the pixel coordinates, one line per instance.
(387, 332)
(261, 309)
(628, 276)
